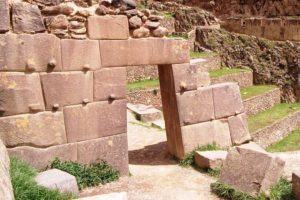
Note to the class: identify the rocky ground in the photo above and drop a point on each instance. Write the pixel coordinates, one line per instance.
(154, 173)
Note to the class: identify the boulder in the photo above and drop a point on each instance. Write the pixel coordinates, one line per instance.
(239, 129)
(145, 113)
(296, 184)
(210, 159)
(250, 169)
(141, 32)
(135, 22)
(160, 32)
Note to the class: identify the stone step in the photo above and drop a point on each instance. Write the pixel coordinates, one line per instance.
(210, 159)
(244, 77)
(258, 98)
(145, 113)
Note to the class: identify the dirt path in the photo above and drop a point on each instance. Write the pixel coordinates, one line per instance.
(155, 175)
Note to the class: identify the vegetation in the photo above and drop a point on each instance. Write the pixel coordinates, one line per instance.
(195, 54)
(25, 187)
(271, 115)
(255, 90)
(143, 84)
(88, 175)
(289, 143)
(281, 191)
(226, 71)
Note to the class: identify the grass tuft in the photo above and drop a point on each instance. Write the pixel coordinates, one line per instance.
(255, 90)
(289, 143)
(226, 71)
(26, 188)
(282, 191)
(88, 175)
(143, 84)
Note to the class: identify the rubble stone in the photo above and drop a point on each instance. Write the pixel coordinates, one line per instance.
(160, 32)
(210, 159)
(135, 22)
(141, 33)
(151, 24)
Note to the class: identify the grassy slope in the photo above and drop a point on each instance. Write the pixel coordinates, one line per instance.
(270, 116)
(226, 71)
(255, 90)
(289, 143)
(143, 84)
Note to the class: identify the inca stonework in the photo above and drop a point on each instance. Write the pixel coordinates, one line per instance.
(64, 96)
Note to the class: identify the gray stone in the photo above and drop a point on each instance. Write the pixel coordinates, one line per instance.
(210, 159)
(57, 179)
(145, 113)
(5, 18)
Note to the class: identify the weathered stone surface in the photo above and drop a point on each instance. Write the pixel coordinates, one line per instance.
(141, 33)
(56, 179)
(80, 55)
(6, 190)
(110, 84)
(171, 52)
(39, 52)
(250, 169)
(160, 32)
(145, 113)
(41, 129)
(111, 196)
(239, 129)
(152, 25)
(227, 100)
(67, 88)
(210, 159)
(296, 184)
(20, 93)
(95, 120)
(40, 158)
(185, 77)
(26, 18)
(112, 149)
(195, 106)
(57, 22)
(5, 18)
(204, 133)
(135, 22)
(108, 27)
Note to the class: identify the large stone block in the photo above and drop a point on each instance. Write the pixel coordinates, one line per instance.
(38, 52)
(227, 100)
(80, 55)
(26, 18)
(149, 51)
(205, 133)
(195, 106)
(20, 93)
(145, 113)
(40, 158)
(250, 169)
(5, 18)
(239, 129)
(210, 159)
(95, 120)
(185, 77)
(67, 88)
(108, 27)
(110, 84)
(296, 184)
(112, 149)
(41, 130)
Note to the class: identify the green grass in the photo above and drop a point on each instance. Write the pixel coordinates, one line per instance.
(255, 90)
(281, 191)
(25, 187)
(289, 143)
(143, 84)
(88, 175)
(195, 54)
(226, 71)
(271, 115)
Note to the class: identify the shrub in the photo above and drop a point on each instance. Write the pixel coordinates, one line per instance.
(88, 175)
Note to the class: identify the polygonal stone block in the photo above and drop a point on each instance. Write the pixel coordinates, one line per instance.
(145, 113)
(239, 129)
(195, 106)
(5, 18)
(95, 120)
(109, 27)
(80, 55)
(185, 77)
(112, 149)
(20, 93)
(296, 184)
(250, 169)
(38, 52)
(227, 100)
(42, 129)
(110, 83)
(40, 158)
(210, 159)
(67, 88)
(55, 179)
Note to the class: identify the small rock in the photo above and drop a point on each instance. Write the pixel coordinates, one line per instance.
(57, 22)
(146, 12)
(77, 18)
(78, 36)
(210, 159)
(84, 13)
(130, 3)
(135, 22)
(76, 24)
(155, 17)
(144, 18)
(51, 10)
(141, 32)
(152, 25)
(131, 13)
(102, 10)
(66, 10)
(78, 31)
(160, 32)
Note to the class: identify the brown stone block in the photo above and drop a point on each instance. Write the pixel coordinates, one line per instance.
(67, 88)
(210, 159)
(5, 18)
(80, 55)
(110, 84)
(95, 120)
(227, 100)
(40, 158)
(185, 77)
(296, 184)
(39, 52)
(112, 149)
(195, 106)
(109, 27)
(238, 127)
(42, 129)
(20, 93)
